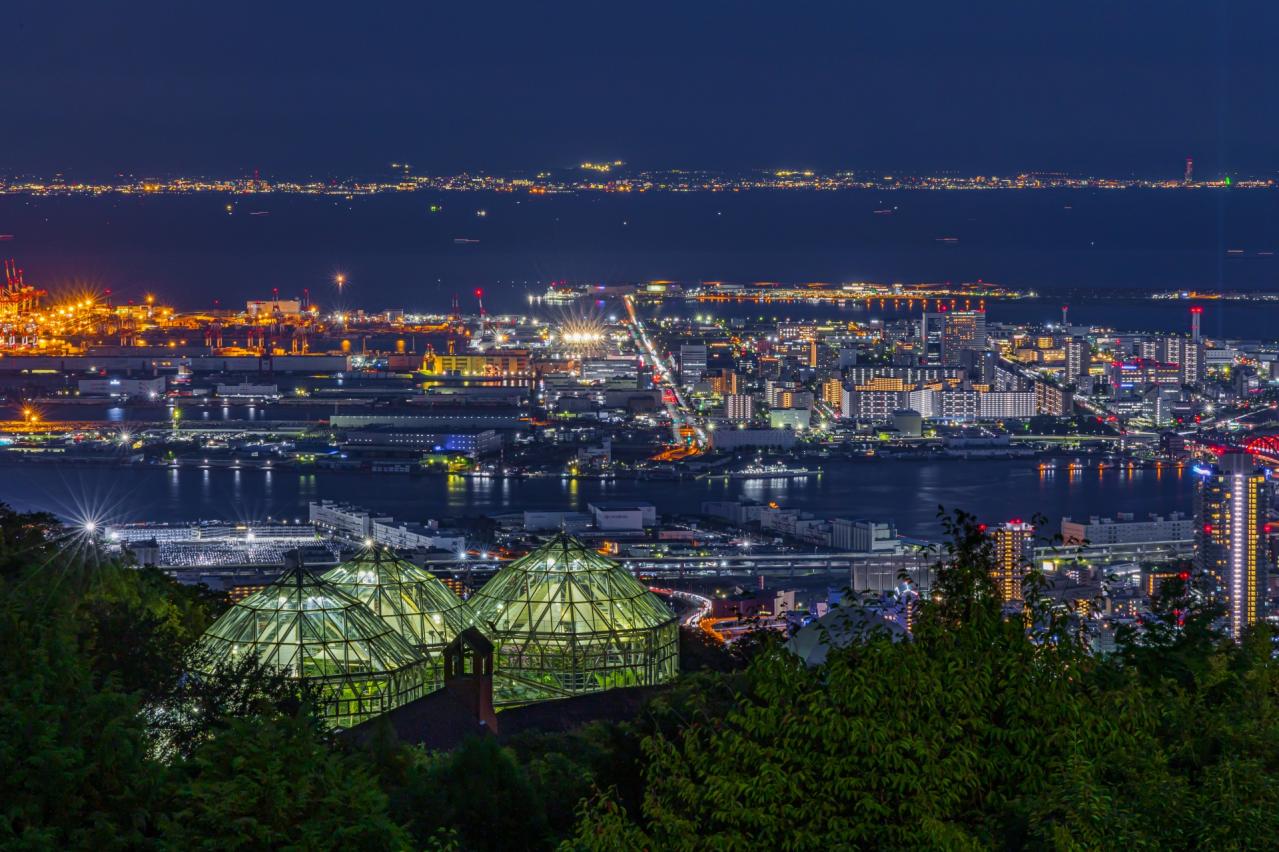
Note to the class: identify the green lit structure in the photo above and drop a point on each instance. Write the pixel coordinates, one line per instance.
(359, 665)
(414, 602)
(566, 621)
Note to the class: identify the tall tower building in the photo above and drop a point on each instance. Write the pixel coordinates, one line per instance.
(931, 328)
(1013, 542)
(1190, 171)
(962, 330)
(1078, 358)
(1195, 314)
(1232, 509)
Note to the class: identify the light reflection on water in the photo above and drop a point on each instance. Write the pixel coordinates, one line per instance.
(907, 492)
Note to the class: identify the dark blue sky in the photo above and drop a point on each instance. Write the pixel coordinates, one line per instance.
(338, 88)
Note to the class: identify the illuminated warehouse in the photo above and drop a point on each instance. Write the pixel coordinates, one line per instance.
(412, 601)
(360, 665)
(566, 621)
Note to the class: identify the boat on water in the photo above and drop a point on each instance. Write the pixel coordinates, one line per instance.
(464, 241)
(763, 471)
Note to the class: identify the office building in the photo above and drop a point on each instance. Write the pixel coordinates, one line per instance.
(734, 439)
(248, 390)
(692, 362)
(962, 330)
(475, 443)
(632, 517)
(494, 362)
(343, 519)
(932, 328)
(123, 387)
(862, 536)
(1139, 372)
(789, 418)
(1125, 529)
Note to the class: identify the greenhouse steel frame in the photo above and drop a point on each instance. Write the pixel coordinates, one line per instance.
(358, 664)
(413, 601)
(566, 620)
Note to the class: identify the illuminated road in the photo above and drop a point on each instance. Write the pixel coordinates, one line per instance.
(681, 415)
(701, 606)
(1210, 423)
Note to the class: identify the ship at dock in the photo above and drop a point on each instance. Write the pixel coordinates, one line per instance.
(763, 471)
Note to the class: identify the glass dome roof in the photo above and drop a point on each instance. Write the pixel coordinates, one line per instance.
(360, 665)
(566, 620)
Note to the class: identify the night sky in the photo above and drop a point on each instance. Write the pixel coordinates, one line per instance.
(336, 89)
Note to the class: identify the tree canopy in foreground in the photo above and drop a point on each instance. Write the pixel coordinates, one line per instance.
(986, 730)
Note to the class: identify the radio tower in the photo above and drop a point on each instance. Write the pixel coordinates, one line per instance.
(1190, 171)
(479, 297)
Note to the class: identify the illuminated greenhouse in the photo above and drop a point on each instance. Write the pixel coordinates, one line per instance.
(301, 624)
(413, 601)
(566, 621)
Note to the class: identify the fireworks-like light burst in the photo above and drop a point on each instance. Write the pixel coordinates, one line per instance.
(80, 292)
(86, 512)
(581, 331)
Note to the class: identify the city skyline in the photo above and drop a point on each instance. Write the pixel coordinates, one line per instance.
(619, 176)
(731, 424)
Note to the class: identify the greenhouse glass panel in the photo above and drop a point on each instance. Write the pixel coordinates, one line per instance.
(565, 620)
(359, 664)
(420, 608)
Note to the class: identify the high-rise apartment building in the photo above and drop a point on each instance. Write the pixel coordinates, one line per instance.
(1078, 358)
(833, 394)
(1013, 549)
(724, 382)
(1232, 509)
(739, 407)
(1185, 353)
(1053, 401)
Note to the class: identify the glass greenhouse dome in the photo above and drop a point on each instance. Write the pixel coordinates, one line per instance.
(565, 621)
(359, 664)
(413, 601)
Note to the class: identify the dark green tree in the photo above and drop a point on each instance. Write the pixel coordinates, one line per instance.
(271, 783)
